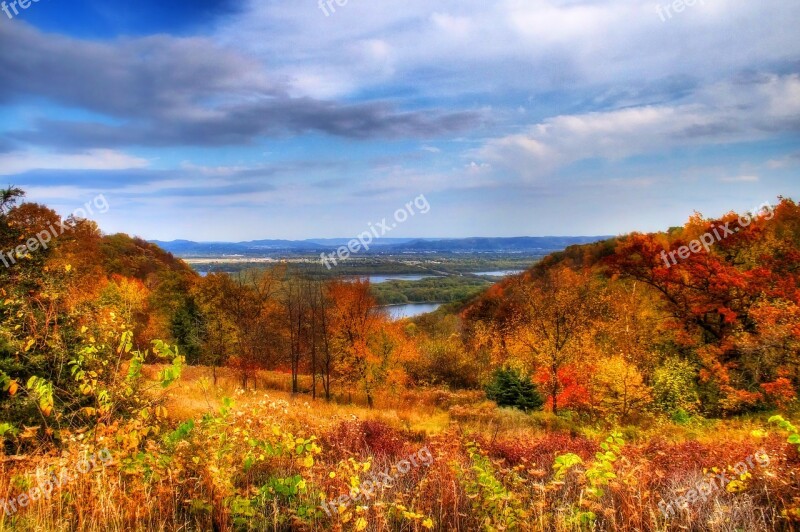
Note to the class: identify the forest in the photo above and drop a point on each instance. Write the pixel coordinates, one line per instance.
(437, 289)
(601, 389)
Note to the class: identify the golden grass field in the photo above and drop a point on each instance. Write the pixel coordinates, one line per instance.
(270, 460)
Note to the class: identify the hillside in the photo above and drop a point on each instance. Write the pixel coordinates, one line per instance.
(719, 298)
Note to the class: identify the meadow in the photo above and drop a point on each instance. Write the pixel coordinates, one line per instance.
(216, 457)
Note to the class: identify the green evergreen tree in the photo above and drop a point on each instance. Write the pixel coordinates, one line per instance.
(509, 387)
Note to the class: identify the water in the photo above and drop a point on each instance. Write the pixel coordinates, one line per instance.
(205, 274)
(397, 312)
(378, 279)
(500, 273)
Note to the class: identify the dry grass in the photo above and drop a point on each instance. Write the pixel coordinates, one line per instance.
(199, 480)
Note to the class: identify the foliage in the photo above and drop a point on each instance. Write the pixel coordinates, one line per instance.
(794, 435)
(714, 333)
(780, 393)
(605, 329)
(621, 389)
(495, 506)
(597, 475)
(510, 387)
(563, 464)
(602, 470)
(434, 289)
(674, 386)
(553, 322)
(442, 358)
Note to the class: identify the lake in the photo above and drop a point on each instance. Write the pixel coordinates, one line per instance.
(499, 273)
(205, 274)
(397, 312)
(378, 279)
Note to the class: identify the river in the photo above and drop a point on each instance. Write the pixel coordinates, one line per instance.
(410, 310)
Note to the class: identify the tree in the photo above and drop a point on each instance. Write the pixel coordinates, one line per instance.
(442, 359)
(219, 330)
(620, 388)
(370, 350)
(731, 305)
(299, 305)
(241, 321)
(326, 365)
(510, 387)
(189, 330)
(66, 327)
(675, 386)
(556, 316)
(254, 307)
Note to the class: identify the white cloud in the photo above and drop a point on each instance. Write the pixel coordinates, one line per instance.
(793, 159)
(20, 162)
(454, 26)
(715, 114)
(219, 171)
(455, 46)
(478, 168)
(740, 179)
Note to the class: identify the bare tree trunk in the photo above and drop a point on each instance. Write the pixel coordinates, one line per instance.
(326, 366)
(313, 367)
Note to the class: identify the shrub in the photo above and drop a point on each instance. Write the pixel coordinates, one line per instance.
(510, 387)
(779, 393)
(681, 416)
(364, 438)
(674, 386)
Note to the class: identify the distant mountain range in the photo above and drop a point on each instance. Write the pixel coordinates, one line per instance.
(265, 248)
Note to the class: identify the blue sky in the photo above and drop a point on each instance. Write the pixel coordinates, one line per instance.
(216, 120)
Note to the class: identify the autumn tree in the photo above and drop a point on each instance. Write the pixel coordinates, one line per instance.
(299, 299)
(675, 386)
(370, 349)
(356, 319)
(723, 301)
(63, 341)
(251, 301)
(321, 362)
(211, 294)
(556, 317)
(443, 358)
(326, 363)
(619, 388)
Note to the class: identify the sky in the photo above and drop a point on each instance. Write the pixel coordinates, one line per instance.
(229, 121)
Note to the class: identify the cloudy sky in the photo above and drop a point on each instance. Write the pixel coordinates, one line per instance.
(217, 120)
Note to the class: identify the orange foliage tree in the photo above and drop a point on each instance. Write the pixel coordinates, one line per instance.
(556, 317)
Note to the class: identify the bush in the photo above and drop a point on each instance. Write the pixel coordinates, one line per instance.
(675, 387)
(510, 387)
(681, 416)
